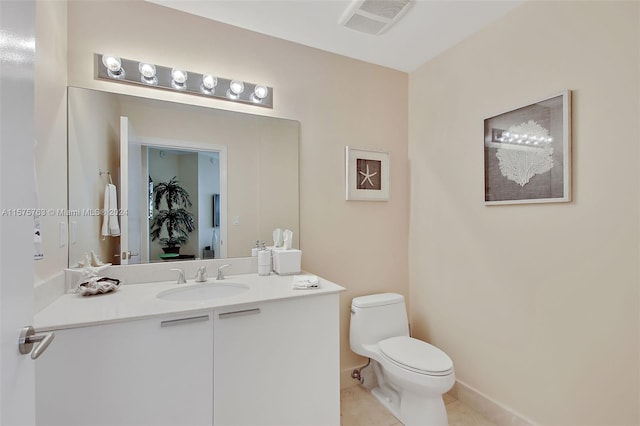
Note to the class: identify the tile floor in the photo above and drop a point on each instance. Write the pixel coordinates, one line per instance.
(359, 408)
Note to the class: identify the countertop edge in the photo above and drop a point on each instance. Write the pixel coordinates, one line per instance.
(72, 311)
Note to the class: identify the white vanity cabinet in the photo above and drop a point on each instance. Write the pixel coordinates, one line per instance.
(277, 363)
(155, 371)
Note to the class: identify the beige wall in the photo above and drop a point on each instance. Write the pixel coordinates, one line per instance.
(51, 133)
(536, 304)
(338, 101)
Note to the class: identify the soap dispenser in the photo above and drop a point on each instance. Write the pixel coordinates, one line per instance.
(264, 261)
(256, 249)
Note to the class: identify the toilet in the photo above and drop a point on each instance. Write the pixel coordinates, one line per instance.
(411, 374)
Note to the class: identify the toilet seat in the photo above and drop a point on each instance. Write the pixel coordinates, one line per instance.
(416, 355)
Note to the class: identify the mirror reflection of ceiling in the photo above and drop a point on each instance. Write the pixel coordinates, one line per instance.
(261, 170)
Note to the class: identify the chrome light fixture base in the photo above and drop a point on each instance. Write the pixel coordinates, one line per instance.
(195, 85)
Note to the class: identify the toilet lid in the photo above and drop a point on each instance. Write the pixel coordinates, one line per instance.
(416, 355)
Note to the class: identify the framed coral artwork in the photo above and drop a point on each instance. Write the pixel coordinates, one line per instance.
(367, 175)
(527, 153)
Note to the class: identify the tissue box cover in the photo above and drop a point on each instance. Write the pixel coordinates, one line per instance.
(286, 262)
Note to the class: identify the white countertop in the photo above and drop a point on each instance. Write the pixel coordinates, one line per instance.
(135, 301)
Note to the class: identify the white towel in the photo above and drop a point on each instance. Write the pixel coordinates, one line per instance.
(304, 282)
(114, 226)
(110, 226)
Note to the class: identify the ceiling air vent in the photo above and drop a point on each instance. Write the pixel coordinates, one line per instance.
(373, 16)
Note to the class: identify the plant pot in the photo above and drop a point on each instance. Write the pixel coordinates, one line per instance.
(175, 249)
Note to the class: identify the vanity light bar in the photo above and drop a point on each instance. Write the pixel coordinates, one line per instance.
(179, 80)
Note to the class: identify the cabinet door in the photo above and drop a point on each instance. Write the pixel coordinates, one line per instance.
(277, 363)
(145, 372)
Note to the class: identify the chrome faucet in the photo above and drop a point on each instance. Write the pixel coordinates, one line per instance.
(181, 279)
(201, 275)
(221, 271)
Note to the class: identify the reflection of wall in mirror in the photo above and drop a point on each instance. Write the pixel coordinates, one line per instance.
(95, 123)
(278, 178)
(208, 185)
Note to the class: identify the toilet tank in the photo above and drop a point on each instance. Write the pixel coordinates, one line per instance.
(376, 317)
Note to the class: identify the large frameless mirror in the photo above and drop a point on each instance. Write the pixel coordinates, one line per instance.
(190, 182)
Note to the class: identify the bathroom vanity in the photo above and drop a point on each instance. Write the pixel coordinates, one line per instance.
(268, 355)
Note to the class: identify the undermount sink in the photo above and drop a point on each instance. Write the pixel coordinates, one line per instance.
(203, 291)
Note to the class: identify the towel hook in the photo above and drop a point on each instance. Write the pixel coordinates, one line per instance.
(102, 172)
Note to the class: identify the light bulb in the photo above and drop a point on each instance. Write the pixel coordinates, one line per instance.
(236, 87)
(179, 76)
(260, 92)
(113, 65)
(209, 82)
(148, 71)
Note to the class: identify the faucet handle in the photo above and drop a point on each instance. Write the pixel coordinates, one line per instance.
(201, 275)
(221, 271)
(181, 279)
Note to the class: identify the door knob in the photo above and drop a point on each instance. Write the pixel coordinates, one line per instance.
(126, 255)
(28, 338)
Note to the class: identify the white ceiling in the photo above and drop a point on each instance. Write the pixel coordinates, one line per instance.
(427, 29)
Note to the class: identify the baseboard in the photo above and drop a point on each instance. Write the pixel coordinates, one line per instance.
(488, 407)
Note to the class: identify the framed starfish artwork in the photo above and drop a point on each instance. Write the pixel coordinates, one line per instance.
(527, 153)
(367, 175)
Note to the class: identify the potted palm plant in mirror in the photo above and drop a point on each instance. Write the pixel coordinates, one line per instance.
(172, 224)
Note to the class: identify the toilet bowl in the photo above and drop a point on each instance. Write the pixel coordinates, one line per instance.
(411, 374)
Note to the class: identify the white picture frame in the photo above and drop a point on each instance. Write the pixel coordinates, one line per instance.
(527, 153)
(367, 175)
